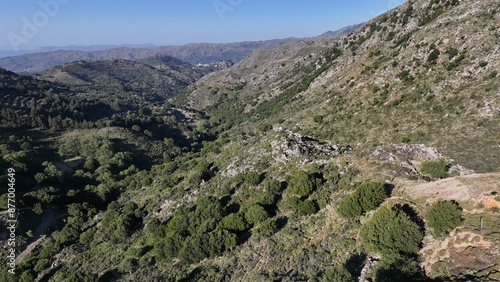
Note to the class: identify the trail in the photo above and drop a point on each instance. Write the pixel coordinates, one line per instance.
(455, 188)
(48, 218)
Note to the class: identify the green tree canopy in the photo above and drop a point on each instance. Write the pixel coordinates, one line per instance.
(255, 214)
(390, 231)
(397, 268)
(368, 196)
(444, 216)
(234, 222)
(301, 184)
(436, 169)
(337, 273)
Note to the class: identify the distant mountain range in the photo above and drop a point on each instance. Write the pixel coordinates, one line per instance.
(194, 53)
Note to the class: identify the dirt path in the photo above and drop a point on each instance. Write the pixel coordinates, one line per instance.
(456, 188)
(48, 218)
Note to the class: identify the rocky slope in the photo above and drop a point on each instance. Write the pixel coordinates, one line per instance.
(416, 73)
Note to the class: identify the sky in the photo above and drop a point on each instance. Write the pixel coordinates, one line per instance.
(29, 24)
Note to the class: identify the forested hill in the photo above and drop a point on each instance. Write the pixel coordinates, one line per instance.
(122, 76)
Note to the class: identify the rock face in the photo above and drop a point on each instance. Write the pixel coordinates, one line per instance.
(305, 148)
(370, 264)
(411, 156)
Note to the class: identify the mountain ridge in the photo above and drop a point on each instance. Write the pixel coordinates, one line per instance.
(194, 53)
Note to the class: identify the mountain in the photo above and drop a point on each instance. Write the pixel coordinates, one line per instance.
(195, 53)
(366, 157)
(392, 79)
(159, 76)
(343, 31)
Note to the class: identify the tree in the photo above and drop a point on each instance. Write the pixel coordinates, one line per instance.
(437, 169)
(307, 207)
(255, 214)
(27, 276)
(368, 196)
(397, 268)
(233, 222)
(337, 273)
(301, 184)
(390, 231)
(444, 216)
(252, 178)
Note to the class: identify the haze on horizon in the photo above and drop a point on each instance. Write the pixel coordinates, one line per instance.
(33, 24)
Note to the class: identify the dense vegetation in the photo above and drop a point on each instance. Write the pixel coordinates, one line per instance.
(444, 216)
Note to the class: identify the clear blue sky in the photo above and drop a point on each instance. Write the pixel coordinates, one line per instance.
(175, 22)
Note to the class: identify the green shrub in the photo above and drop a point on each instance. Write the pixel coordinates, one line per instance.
(318, 118)
(252, 178)
(444, 216)
(368, 196)
(396, 268)
(27, 276)
(337, 273)
(267, 228)
(390, 231)
(405, 139)
(291, 203)
(234, 222)
(264, 127)
(307, 207)
(433, 56)
(349, 207)
(437, 169)
(301, 184)
(255, 214)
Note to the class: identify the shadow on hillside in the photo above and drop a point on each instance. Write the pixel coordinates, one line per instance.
(355, 264)
(413, 215)
(389, 188)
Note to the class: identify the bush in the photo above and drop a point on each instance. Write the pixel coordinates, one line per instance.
(433, 56)
(399, 269)
(390, 231)
(437, 169)
(307, 207)
(252, 178)
(291, 203)
(444, 216)
(256, 214)
(318, 118)
(301, 184)
(337, 273)
(349, 207)
(264, 127)
(234, 222)
(267, 228)
(368, 196)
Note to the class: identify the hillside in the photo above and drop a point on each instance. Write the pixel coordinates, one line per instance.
(396, 78)
(159, 77)
(367, 157)
(195, 53)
